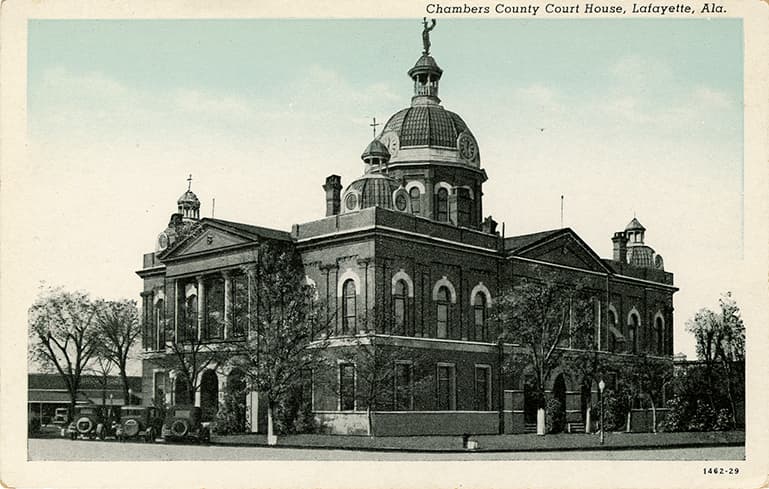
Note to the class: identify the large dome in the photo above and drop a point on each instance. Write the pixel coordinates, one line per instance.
(427, 125)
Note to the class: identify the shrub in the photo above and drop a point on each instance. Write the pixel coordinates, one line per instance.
(677, 416)
(555, 419)
(703, 418)
(231, 416)
(34, 426)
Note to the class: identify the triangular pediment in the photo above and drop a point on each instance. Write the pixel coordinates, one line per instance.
(564, 248)
(207, 238)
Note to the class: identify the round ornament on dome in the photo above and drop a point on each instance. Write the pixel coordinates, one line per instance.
(468, 148)
(401, 200)
(391, 142)
(163, 241)
(351, 201)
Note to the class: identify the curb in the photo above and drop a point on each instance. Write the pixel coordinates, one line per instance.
(485, 450)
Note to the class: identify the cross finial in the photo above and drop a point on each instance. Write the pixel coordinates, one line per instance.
(189, 182)
(373, 126)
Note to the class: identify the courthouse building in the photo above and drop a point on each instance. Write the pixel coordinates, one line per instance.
(409, 237)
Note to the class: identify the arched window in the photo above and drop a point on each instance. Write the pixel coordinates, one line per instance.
(479, 313)
(348, 306)
(442, 205)
(400, 295)
(659, 329)
(416, 204)
(442, 311)
(632, 330)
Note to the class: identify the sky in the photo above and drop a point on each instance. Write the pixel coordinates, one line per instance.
(623, 117)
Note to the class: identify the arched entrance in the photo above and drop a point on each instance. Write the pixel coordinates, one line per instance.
(182, 394)
(558, 411)
(236, 398)
(209, 395)
(532, 400)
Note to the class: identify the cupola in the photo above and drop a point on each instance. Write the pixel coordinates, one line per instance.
(188, 204)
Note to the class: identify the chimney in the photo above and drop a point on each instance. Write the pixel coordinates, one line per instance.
(489, 226)
(333, 188)
(620, 246)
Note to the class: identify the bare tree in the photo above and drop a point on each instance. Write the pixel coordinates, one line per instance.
(119, 327)
(64, 335)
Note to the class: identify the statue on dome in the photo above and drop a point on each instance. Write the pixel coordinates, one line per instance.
(426, 35)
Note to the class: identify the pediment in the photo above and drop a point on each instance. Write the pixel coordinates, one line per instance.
(565, 249)
(207, 239)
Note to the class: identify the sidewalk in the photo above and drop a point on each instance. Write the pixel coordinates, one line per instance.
(491, 443)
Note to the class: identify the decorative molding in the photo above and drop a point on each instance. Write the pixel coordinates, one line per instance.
(480, 288)
(402, 275)
(444, 282)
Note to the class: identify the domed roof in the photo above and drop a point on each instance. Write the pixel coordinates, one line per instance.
(188, 197)
(641, 256)
(634, 225)
(426, 63)
(426, 125)
(375, 149)
(370, 190)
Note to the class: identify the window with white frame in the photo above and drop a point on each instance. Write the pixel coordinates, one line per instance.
(446, 387)
(482, 388)
(404, 386)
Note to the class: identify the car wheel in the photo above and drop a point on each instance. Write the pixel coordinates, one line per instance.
(73, 436)
(102, 433)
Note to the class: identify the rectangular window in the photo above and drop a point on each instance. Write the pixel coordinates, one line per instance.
(404, 386)
(446, 386)
(214, 311)
(482, 388)
(239, 302)
(442, 313)
(306, 387)
(346, 387)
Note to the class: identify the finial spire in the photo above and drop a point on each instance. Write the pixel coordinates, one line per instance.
(189, 182)
(373, 126)
(426, 34)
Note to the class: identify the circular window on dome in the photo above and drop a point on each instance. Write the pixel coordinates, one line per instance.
(351, 202)
(400, 202)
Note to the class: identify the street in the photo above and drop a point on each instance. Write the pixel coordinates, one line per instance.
(82, 450)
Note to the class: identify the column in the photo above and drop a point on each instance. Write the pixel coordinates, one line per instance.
(145, 319)
(227, 303)
(177, 299)
(201, 306)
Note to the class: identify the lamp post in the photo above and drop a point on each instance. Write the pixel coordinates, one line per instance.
(601, 386)
(130, 394)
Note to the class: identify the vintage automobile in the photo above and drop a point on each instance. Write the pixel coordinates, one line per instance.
(88, 422)
(60, 416)
(185, 423)
(139, 422)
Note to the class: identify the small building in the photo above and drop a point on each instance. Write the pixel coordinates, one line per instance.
(47, 392)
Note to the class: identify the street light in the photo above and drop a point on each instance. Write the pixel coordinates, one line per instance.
(601, 386)
(130, 393)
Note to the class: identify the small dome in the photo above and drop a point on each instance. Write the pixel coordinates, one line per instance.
(641, 256)
(188, 197)
(375, 149)
(634, 225)
(424, 64)
(371, 190)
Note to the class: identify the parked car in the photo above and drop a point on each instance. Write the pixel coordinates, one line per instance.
(88, 422)
(139, 422)
(60, 416)
(185, 423)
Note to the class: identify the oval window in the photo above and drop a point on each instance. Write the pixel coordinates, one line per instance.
(400, 202)
(351, 201)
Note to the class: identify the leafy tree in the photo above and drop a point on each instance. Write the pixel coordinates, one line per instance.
(648, 376)
(64, 335)
(118, 324)
(544, 317)
(289, 328)
(720, 343)
(102, 368)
